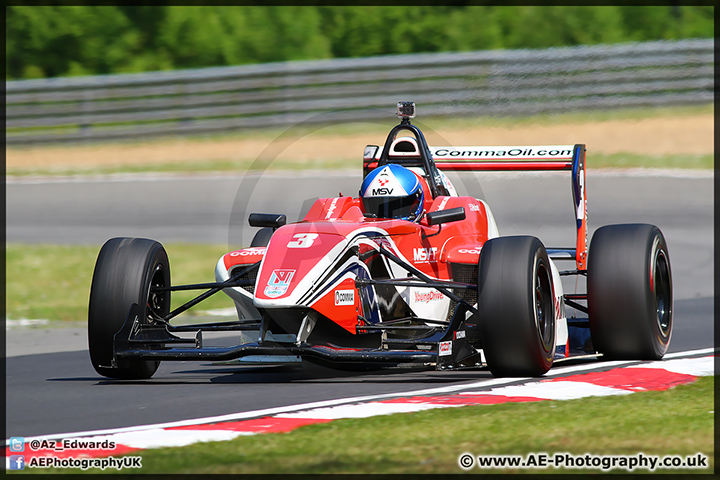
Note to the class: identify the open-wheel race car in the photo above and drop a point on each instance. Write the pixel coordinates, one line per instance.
(409, 272)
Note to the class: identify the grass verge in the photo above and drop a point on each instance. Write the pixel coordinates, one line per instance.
(678, 421)
(212, 166)
(450, 122)
(53, 281)
(628, 160)
(238, 151)
(619, 160)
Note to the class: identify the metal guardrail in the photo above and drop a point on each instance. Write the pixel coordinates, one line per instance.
(188, 102)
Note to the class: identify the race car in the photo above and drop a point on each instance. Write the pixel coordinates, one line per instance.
(408, 272)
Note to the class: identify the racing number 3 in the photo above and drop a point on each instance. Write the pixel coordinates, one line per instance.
(303, 240)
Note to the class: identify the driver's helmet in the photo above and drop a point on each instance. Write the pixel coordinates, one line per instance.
(392, 191)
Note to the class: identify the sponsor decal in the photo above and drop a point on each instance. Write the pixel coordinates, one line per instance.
(579, 206)
(445, 349)
(554, 151)
(474, 207)
(443, 203)
(248, 251)
(424, 255)
(279, 283)
(385, 185)
(460, 334)
(472, 251)
(383, 181)
(344, 297)
(427, 297)
(332, 207)
(559, 308)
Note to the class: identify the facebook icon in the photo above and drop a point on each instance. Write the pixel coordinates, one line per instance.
(17, 462)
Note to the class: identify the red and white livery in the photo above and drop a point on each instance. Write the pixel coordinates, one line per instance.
(344, 286)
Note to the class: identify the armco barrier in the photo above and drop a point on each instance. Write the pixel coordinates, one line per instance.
(189, 102)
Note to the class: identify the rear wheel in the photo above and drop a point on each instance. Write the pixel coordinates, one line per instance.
(125, 270)
(515, 306)
(630, 300)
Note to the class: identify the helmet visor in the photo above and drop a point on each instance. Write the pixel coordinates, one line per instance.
(392, 207)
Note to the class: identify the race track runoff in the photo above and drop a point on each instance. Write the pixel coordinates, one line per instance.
(208, 209)
(214, 208)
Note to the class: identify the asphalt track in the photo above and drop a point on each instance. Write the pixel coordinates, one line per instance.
(59, 392)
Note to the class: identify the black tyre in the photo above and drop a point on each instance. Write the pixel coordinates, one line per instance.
(630, 300)
(515, 306)
(124, 271)
(262, 237)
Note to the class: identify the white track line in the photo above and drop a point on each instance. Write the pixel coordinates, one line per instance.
(279, 410)
(690, 353)
(290, 409)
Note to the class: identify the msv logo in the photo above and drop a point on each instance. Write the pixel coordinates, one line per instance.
(422, 255)
(279, 283)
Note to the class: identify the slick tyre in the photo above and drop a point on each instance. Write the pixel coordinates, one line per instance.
(630, 299)
(515, 306)
(262, 237)
(125, 270)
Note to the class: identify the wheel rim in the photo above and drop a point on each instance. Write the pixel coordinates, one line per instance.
(543, 308)
(663, 293)
(157, 304)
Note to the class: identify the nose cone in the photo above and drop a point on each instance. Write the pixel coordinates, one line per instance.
(297, 258)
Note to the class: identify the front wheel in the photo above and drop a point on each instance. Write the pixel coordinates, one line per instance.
(630, 298)
(125, 270)
(515, 306)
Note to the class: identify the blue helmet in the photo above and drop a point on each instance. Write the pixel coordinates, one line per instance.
(392, 191)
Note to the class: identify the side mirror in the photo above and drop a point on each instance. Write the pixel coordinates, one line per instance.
(272, 220)
(445, 216)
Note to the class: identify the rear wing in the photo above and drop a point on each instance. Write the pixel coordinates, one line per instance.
(515, 158)
(535, 158)
(548, 157)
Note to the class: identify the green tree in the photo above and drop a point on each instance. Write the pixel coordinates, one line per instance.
(553, 26)
(147, 21)
(353, 31)
(474, 28)
(191, 36)
(359, 31)
(643, 23)
(51, 41)
(696, 21)
(209, 36)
